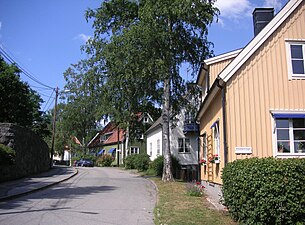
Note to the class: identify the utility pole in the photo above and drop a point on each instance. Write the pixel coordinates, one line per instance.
(117, 152)
(54, 126)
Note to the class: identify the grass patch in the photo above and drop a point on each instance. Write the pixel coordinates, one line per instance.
(177, 208)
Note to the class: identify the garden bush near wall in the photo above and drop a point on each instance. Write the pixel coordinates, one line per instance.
(265, 191)
(157, 165)
(7, 155)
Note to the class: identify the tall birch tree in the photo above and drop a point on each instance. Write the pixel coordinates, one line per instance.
(142, 45)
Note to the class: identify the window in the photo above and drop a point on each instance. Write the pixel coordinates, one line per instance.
(134, 150)
(204, 145)
(216, 137)
(150, 149)
(295, 56)
(189, 117)
(106, 136)
(158, 147)
(184, 145)
(145, 120)
(289, 134)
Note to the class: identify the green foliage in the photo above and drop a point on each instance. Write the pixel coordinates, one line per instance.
(137, 161)
(19, 103)
(194, 189)
(104, 160)
(79, 116)
(157, 165)
(139, 47)
(142, 162)
(7, 155)
(130, 162)
(265, 191)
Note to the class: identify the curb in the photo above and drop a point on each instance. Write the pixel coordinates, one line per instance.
(157, 190)
(2, 199)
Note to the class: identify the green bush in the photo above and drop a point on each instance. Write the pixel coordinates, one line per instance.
(105, 160)
(130, 162)
(139, 162)
(7, 155)
(142, 162)
(157, 165)
(265, 191)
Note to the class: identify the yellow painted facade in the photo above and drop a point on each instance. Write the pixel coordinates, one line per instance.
(211, 171)
(258, 87)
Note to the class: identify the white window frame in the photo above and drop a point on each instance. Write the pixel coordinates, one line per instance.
(291, 75)
(158, 147)
(186, 149)
(145, 119)
(216, 137)
(291, 140)
(134, 150)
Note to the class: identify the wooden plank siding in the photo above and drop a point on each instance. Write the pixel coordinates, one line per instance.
(260, 85)
(214, 114)
(217, 68)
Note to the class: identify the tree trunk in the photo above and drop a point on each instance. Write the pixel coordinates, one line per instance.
(167, 169)
(126, 143)
(167, 175)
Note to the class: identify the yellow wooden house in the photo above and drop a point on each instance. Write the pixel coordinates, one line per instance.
(253, 101)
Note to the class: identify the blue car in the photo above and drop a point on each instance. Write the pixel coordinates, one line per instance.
(85, 163)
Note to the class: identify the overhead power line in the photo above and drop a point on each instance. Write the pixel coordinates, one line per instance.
(25, 72)
(48, 101)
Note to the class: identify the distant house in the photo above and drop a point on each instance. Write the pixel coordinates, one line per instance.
(253, 101)
(112, 140)
(183, 143)
(68, 153)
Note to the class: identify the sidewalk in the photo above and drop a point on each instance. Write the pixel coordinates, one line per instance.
(16, 188)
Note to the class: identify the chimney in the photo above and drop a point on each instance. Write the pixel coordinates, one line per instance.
(261, 17)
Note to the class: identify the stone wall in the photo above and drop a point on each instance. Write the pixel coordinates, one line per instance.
(32, 153)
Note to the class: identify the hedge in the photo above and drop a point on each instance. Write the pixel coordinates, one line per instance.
(265, 190)
(139, 162)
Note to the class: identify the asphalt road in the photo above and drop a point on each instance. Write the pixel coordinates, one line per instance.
(93, 197)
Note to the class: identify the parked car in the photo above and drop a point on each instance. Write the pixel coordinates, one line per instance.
(84, 163)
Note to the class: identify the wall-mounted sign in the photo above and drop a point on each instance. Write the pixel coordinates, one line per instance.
(243, 150)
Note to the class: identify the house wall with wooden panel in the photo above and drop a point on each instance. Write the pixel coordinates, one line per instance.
(261, 85)
(216, 68)
(212, 172)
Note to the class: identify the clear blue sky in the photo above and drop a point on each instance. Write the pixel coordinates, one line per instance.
(45, 36)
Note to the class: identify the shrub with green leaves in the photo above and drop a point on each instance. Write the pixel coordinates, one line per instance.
(105, 160)
(157, 165)
(265, 190)
(139, 162)
(7, 155)
(130, 162)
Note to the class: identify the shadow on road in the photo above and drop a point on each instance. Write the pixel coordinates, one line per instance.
(61, 192)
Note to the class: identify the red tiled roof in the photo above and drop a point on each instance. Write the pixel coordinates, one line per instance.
(114, 137)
